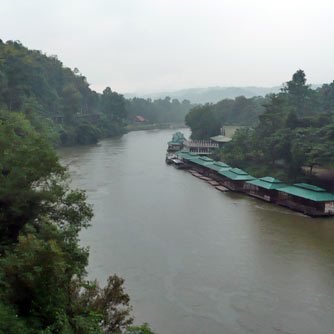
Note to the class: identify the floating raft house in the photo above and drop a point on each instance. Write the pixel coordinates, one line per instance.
(235, 178)
(186, 155)
(176, 143)
(219, 166)
(306, 198)
(264, 188)
(200, 163)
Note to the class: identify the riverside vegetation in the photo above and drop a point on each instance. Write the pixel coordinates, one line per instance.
(43, 285)
(43, 288)
(59, 101)
(294, 130)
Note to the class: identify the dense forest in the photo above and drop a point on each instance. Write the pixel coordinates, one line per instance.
(59, 102)
(206, 120)
(43, 288)
(296, 130)
(43, 285)
(158, 111)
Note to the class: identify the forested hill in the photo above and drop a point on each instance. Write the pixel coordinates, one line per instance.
(56, 99)
(212, 94)
(59, 102)
(43, 283)
(158, 111)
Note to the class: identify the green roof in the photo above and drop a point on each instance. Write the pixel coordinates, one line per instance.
(236, 174)
(218, 165)
(268, 183)
(309, 187)
(174, 143)
(308, 191)
(178, 136)
(190, 156)
(182, 153)
(203, 161)
(177, 139)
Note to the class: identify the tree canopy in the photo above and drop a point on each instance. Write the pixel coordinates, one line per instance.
(206, 120)
(43, 289)
(294, 131)
(158, 111)
(59, 102)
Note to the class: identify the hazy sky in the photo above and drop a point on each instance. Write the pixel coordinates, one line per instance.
(156, 45)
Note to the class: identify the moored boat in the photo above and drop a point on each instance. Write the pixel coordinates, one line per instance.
(179, 164)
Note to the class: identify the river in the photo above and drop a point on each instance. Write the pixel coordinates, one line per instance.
(196, 260)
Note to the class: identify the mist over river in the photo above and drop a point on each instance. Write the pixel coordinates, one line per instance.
(196, 260)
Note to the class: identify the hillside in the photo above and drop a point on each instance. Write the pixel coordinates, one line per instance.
(59, 102)
(211, 94)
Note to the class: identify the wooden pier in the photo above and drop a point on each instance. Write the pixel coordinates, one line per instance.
(222, 188)
(209, 180)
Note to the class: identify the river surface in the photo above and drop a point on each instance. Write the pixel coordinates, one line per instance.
(196, 260)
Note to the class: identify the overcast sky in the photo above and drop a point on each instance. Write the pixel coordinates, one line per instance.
(158, 45)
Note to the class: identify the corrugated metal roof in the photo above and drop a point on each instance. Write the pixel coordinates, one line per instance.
(218, 165)
(182, 153)
(270, 179)
(304, 190)
(190, 156)
(203, 161)
(268, 183)
(309, 187)
(236, 174)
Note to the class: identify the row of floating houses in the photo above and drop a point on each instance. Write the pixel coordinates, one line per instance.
(302, 197)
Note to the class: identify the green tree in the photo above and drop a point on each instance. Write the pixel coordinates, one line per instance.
(42, 266)
(71, 101)
(202, 122)
(113, 105)
(299, 95)
(143, 329)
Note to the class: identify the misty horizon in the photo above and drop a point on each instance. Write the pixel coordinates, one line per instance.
(146, 46)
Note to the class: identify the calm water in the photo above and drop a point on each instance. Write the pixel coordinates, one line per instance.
(196, 260)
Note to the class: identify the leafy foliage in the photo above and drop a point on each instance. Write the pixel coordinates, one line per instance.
(295, 130)
(205, 121)
(202, 122)
(57, 100)
(42, 266)
(158, 111)
(143, 329)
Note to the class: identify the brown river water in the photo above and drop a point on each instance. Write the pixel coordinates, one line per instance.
(196, 260)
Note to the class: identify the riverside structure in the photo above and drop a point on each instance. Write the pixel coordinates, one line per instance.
(308, 199)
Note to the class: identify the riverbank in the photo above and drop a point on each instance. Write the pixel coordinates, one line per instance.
(306, 198)
(126, 129)
(145, 126)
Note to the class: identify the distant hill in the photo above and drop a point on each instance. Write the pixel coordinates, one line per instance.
(210, 94)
